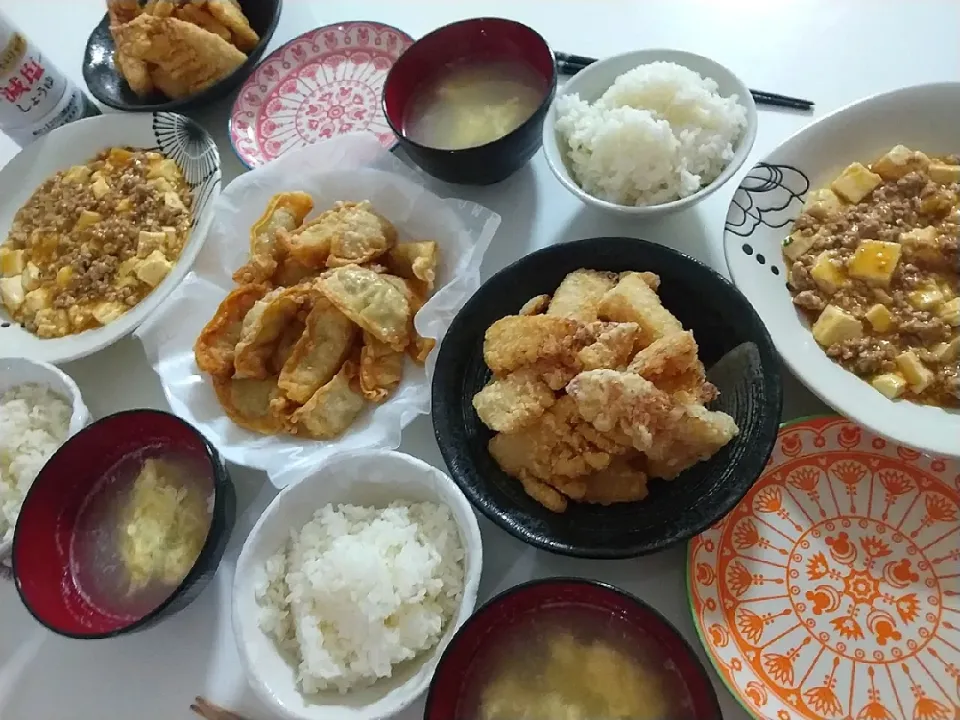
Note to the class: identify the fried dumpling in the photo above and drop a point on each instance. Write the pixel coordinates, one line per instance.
(247, 402)
(372, 301)
(231, 16)
(320, 352)
(349, 233)
(214, 348)
(332, 408)
(415, 262)
(381, 369)
(262, 328)
(285, 212)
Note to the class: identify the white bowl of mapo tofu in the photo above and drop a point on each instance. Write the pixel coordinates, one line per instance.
(98, 223)
(845, 239)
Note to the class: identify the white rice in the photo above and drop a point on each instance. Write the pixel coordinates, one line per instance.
(34, 422)
(659, 133)
(360, 589)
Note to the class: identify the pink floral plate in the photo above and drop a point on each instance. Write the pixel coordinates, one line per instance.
(833, 589)
(324, 83)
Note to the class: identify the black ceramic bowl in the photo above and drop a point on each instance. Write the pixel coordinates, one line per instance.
(476, 39)
(107, 85)
(44, 564)
(720, 317)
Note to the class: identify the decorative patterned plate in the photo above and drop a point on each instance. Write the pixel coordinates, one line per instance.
(833, 589)
(324, 83)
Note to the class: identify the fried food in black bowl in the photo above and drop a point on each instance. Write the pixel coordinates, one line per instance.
(600, 436)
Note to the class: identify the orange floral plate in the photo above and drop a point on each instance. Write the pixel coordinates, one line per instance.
(833, 589)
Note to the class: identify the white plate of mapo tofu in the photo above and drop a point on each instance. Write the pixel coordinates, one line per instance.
(846, 241)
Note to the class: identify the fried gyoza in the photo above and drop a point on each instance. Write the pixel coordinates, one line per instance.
(349, 233)
(231, 16)
(247, 402)
(381, 368)
(580, 293)
(285, 212)
(511, 403)
(633, 300)
(416, 262)
(263, 326)
(214, 348)
(188, 53)
(671, 363)
(319, 353)
(289, 337)
(332, 408)
(371, 301)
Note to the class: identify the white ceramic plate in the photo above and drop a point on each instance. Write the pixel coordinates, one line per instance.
(174, 135)
(771, 197)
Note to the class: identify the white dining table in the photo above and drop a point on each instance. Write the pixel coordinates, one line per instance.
(831, 51)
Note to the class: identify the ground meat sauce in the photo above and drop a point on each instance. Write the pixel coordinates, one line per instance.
(903, 202)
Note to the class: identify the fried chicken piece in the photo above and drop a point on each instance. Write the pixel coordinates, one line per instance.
(613, 347)
(214, 348)
(544, 494)
(623, 480)
(135, 72)
(248, 403)
(535, 305)
(332, 408)
(159, 8)
(633, 300)
(515, 341)
(121, 12)
(381, 369)
(320, 352)
(696, 435)
(194, 13)
(415, 262)
(671, 363)
(579, 295)
(511, 403)
(185, 52)
(231, 16)
(174, 88)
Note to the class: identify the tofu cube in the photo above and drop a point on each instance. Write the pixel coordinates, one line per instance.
(30, 277)
(855, 183)
(926, 298)
(173, 201)
(875, 261)
(828, 273)
(165, 168)
(86, 219)
(949, 312)
(152, 269)
(889, 385)
(900, 161)
(128, 267)
(797, 244)
(943, 173)
(919, 239)
(948, 352)
(119, 157)
(823, 203)
(52, 323)
(835, 325)
(918, 375)
(100, 188)
(11, 261)
(107, 312)
(80, 316)
(12, 293)
(161, 185)
(880, 318)
(64, 276)
(148, 241)
(77, 174)
(171, 237)
(124, 205)
(37, 300)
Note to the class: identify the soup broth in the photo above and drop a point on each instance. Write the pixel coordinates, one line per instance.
(472, 104)
(573, 663)
(140, 531)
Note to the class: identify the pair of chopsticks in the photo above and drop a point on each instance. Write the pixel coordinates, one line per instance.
(568, 64)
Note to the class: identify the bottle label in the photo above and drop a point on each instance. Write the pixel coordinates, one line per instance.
(72, 106)
(30, 86)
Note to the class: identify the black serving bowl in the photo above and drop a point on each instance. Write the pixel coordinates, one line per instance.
(476, 39)
(108, 86)
(722, 320)
(44, 565)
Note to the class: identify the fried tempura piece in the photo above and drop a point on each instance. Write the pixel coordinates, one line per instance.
(332, 408)
(195, 14)
(371, 301)
(188, 53)
(671, 363)
(214, 348)
(613, 347)
(231, 16)
(543, 493)
(135, 72)
(159, 8)
(381, 369)
(580, 293)
(416, 262)
(535, 305)
(696, 435)
(518, 340)
(511, 403)
(632, 300)
(284, 212)
(623, 480)
(320, 352)
(172, 87)
(248, 402)
(122, 11)
(262, 328)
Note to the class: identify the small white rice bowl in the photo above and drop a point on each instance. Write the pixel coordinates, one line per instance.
(351, 585)
(659, 133)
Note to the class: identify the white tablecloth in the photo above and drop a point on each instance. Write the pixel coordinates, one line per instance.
(831, 51)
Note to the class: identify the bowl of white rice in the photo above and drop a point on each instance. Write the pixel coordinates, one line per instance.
(649, 132)
(352, 583)
(40, 407)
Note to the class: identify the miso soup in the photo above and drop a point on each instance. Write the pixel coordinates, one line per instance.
(473, 103)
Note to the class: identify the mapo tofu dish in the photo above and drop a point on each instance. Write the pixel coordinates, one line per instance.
(873, 264)
(93, 241)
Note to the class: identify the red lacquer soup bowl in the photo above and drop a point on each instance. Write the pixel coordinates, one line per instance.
(64, 560)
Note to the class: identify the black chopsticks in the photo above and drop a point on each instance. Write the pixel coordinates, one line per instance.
(568, 64)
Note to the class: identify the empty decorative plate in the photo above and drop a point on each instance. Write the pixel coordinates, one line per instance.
(833, 589)
(326, 82)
